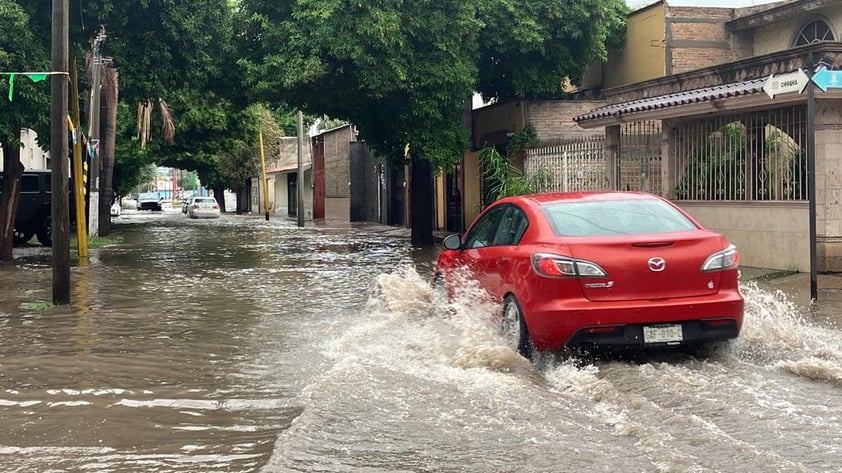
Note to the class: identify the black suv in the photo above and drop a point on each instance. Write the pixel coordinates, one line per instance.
(34, 217)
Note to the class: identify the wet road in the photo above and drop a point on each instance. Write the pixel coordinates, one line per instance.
(244, 345)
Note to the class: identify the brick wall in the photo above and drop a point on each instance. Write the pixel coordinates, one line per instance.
(697, 38)
(553, 119)
(287, 156)
(337, 152)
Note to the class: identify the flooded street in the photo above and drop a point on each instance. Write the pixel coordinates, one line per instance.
(242, 345)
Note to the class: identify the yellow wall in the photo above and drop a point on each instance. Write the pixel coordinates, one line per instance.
(471, 193)
(441, 206)
(642, 57)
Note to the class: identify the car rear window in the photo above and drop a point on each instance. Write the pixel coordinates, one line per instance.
(615, 217)
(204, 200)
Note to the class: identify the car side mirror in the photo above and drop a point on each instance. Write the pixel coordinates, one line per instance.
(452, 241)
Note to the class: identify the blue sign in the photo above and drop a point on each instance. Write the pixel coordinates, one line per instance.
(827, 79)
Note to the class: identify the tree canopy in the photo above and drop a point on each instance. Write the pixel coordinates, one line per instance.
(403, 71)
(20, 51)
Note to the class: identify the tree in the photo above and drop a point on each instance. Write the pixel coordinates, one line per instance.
(529, 47)
(26, 106)
(403, 71)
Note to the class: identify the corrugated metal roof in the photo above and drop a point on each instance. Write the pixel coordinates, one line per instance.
(672, 100)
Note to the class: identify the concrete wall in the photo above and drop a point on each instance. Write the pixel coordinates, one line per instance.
(642, 56)
(471, 198)
(338, 208)
(281, 198)
(768, 235)
(492, 122)
(781, 35)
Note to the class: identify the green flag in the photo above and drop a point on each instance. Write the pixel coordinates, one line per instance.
(37, 77)
(11, 85)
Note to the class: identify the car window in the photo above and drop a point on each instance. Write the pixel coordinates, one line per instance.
(615, 217)
(29, 183)
(512, 226)
(482, 233)
(204, 200)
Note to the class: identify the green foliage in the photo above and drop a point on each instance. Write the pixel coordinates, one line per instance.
(400, 71)
(522, 140)
(710, 161)
(403, 71)
(37, 306)
(505, 180)
(21, 50)
(94, 241)
(528, 47)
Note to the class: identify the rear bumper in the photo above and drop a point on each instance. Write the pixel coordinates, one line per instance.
(204, 214)
(149, 206)
(631, 336)
(569, 323)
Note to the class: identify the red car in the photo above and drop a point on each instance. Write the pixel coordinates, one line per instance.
(598, 269)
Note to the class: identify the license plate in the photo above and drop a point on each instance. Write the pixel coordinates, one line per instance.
(662, 333)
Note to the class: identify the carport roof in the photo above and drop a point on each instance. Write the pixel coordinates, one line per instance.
(705, 94)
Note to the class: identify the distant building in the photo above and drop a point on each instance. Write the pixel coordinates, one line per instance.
(31, 155)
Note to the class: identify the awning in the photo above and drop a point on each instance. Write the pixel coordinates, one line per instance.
(706, 94)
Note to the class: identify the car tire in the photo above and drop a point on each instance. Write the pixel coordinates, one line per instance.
(45, 234)
(513, 328)
(19, 238)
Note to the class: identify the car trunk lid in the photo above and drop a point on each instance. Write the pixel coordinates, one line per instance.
(649, 267)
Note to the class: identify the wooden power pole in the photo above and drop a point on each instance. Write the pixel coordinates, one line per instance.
(58, 154)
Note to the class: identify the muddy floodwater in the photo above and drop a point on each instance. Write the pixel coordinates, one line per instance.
(242, 345)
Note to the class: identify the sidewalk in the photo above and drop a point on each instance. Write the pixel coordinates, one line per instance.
(795, 284)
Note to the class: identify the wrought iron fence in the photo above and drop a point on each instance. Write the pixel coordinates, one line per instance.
(639, 160)
(575, 164)
(749, 156)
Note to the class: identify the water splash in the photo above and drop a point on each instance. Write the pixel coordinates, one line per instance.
(777, 332)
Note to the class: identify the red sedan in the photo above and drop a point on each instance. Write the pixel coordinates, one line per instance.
(598, 269)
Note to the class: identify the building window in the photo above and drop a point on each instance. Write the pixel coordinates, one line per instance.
(815, 31)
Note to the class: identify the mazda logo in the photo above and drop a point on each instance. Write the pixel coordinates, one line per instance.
(657, 264)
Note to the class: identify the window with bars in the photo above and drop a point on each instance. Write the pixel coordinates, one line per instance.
(753, 156)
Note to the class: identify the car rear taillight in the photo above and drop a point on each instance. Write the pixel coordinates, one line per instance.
(555, 266)
(215, 206)
(728, 258)
(195, 206)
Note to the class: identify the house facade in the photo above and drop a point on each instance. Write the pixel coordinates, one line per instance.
(283, 178)
(732, 152)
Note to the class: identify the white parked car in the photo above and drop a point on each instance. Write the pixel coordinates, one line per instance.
(203, 207)
(116, 209)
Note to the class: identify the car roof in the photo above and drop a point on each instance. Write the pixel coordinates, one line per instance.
(585, 196)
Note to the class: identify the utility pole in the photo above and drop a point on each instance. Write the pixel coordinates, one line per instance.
(93, 133)
(300, 186)
(263, 179)
(58, 152)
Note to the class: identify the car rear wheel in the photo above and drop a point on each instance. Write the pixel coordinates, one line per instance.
(513, 328)
(45, 234)
(19, 238)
